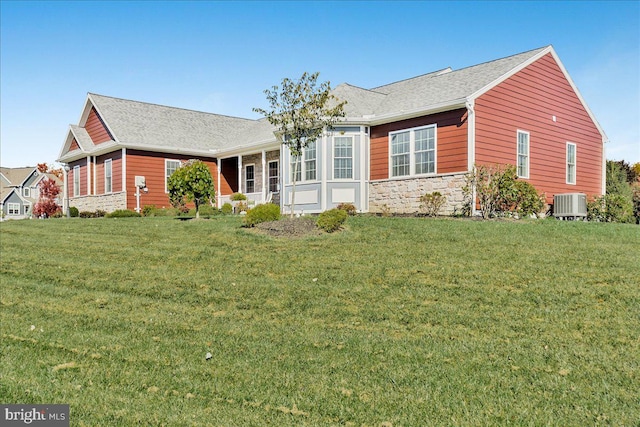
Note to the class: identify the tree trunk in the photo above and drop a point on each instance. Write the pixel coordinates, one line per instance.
(293, 189)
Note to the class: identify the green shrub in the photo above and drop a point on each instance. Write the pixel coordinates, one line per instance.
(619, 208)
(227, 209)
(527, 200)
(148, 210)
(86, 214)
(123, 213)
(431, 203)
(499, 192)
(610, 208)
(73, 212)
(331, 220)
(238, 197)
(349, 208)
(208, 210)
(261, 213)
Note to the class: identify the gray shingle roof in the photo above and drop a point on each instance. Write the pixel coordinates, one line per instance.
(442, 87)
(157, 127)
(134, 123)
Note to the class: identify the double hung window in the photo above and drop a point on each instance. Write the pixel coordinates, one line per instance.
(170, 166)
(107, 176)
(250, 179)
(306, 164)
(273, 176)
(343, 157)
(571, 163)
(76, 181)
(523, 154)
(413, 151)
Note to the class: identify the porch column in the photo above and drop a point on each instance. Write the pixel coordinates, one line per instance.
(362, 164)
(325, 154)
(218, 191)
(239, 174)
(264, 176)
(88, 175)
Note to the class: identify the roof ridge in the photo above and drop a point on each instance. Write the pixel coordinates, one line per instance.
(170, 107)
(431, 73)
(443, 71)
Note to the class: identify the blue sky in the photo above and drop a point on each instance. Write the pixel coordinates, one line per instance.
(220, 56)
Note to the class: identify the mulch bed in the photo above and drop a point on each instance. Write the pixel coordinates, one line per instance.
(290, 227)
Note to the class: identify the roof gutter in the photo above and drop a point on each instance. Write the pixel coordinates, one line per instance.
(374, 120)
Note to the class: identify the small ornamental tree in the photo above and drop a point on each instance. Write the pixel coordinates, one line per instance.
(301, 110)
(47, 205)
(191, 182)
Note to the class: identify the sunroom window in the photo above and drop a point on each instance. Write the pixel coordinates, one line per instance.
(343, 157)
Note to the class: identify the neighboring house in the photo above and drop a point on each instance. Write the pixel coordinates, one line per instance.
(19, 191)
(397, 142)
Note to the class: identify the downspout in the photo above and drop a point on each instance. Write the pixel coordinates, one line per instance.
(264, 176)
(240, 173)
(218, 192)
(123, 186)
(471, 149)
(604, 167)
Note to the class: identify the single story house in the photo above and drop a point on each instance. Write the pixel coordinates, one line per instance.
(19, 191)
(397, 142)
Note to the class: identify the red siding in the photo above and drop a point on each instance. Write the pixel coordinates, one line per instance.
(74, 145)
(83, 177)
(96, 129)
(152, 167)
(451, 148)
(528, 101)
(116, 172)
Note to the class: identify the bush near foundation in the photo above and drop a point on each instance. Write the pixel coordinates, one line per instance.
(431, 203)
(123, 213)
(261, 213)
(331, 220)
(349, 208)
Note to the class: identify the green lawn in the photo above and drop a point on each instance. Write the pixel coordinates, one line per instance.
(392, 322)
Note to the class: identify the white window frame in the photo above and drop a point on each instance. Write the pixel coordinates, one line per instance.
(166, 168)
(27, 209)
(76, 181)
(26, 191)
(524, 155)
(416, 152)
(412, 151)
(310, 161)
(336, 158)
(572, 174)
(271, 177)
(248, 180)
(108, 176)
(13, 209)
(304, 162)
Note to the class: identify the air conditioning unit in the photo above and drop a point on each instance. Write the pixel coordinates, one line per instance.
(572, 205)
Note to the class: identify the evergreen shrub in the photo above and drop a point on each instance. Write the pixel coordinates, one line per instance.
(261, 213)
(331, 220)
(123, 213)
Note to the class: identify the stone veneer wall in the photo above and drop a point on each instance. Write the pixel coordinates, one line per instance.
(402, 196)
(105, 202)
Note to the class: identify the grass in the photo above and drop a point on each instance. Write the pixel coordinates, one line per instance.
(393, 322)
